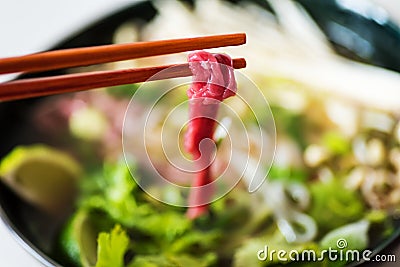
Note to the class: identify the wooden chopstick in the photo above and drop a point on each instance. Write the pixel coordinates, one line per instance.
(34, 87)
(108, 53)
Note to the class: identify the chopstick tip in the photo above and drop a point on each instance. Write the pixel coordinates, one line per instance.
(244, 36)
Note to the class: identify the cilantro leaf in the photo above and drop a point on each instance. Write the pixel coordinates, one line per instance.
(112, 248)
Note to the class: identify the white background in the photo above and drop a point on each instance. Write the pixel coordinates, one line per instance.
(28, 26)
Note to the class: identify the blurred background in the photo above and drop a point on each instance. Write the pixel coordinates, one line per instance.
(30, 26)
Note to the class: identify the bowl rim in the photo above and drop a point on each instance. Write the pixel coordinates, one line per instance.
(24, 242)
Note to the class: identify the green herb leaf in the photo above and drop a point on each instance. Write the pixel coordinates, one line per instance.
(112, 248)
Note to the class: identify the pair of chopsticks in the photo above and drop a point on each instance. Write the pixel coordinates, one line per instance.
(34, 87)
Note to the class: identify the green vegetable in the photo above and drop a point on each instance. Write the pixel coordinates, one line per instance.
(112, 192)
(246, 256)
(334, 206)
(290, 123)
(44, 176)
(157, 228)
(376, 216)
(354, 236)
(162, 236)
(336, 143)
(112, 247)
(78, 241)
(115, 192)
(289, 174)
(351, 237)
(195, 242)
(182, 260)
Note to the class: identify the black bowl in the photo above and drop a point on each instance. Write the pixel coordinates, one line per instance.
(37, 236)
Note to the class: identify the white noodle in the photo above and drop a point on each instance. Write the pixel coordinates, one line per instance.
(299, 53)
